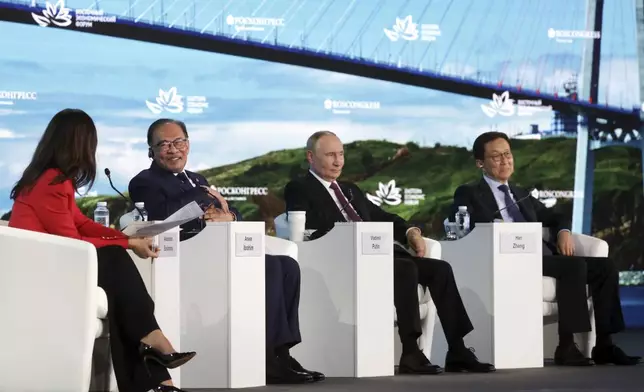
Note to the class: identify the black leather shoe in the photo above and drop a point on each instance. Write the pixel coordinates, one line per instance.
(417, 363)
(170, 361)
(167, 388)
(464, 360)
(295, 365)
(571, 356)
(277, 372)
(613, 355)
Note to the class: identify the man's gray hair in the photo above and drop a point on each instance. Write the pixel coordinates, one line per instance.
(313, 139)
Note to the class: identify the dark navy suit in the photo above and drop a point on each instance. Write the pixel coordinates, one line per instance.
(164, 193)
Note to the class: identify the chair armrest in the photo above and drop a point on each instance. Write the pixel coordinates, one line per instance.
(280, 247)
(48, 297)
(589, 246)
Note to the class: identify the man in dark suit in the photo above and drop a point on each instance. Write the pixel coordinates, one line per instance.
(166, 187)
(492, 198)
(327, 201)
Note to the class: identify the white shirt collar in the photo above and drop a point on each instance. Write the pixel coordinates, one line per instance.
(326, 183)
(494, 184)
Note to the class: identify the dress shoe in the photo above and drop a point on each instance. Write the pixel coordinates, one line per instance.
(570, 355)
(170, 361)
(277, 372)
(464, 360)
(166, 388)
(295, 365)
(417, 363)
(603, 355)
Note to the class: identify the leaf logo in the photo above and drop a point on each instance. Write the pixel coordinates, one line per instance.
(56, 14)
(501, 104)
(404, 28)
(169, 101)
(388, 194)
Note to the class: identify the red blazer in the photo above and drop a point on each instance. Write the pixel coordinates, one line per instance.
(52, 209)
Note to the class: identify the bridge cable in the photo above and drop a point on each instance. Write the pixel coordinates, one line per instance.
(365, 25)
(288, 18)
(514, 43)
(342, 21)
(458, 30)
(481, 27)
(623, 32)
(215, 17)
(420, 18)
(538, 34)
(383, 37)
(543, 62)
(322, 11)
(440, 23)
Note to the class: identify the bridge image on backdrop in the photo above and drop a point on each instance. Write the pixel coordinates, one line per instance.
(392, 40)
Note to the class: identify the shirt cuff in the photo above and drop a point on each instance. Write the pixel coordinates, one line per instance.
(561, 231)
(413, 228)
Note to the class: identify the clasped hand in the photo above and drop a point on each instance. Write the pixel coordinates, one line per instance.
(416, 242)
(565, 244)
(143, 247)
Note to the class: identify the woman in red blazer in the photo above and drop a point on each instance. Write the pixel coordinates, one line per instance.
(44, 201)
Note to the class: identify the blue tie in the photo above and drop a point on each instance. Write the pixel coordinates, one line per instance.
(512, 207)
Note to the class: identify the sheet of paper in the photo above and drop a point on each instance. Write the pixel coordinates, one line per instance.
(185, 214)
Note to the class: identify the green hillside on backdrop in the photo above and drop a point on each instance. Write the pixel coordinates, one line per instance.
(438, 170)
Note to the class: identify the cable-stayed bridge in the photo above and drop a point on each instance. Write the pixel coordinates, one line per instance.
(582, 57)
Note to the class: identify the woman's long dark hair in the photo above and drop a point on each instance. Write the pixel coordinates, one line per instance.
(69, 145)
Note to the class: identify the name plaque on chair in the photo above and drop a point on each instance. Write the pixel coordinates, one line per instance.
(248, 244)
(376, 244)
(517, 243)
(168, 244)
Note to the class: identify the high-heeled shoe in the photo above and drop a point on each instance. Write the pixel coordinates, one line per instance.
(166, 388)
(169, 361)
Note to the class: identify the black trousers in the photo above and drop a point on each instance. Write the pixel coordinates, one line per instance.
(572, 274)
(282, 302)
(130, 317)
(438, 277)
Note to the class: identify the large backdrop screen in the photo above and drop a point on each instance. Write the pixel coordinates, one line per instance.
(407, 146)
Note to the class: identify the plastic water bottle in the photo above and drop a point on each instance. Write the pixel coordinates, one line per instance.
(102, 214)
(140, 206)
(463, 221)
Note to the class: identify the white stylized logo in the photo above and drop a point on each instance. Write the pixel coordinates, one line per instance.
(404, 28)
(345, 107)
(169, 101)
(389, 194)
(56, 14)
(567, 36)
(501, 104)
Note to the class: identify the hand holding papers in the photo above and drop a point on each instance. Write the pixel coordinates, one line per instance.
(147, 229)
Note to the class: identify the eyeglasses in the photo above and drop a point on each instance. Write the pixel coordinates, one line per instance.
(179, 144)
(497, 157)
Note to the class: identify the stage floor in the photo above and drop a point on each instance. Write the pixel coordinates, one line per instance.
(547, 379)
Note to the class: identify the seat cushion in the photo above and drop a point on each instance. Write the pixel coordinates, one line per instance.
(549, 289)
(101, 303)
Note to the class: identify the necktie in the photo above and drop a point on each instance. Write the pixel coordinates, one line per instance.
(344, 204)
(512, 207)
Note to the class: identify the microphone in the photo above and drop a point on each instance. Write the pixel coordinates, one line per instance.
(498, 212)
(109, 177)
(349, 200)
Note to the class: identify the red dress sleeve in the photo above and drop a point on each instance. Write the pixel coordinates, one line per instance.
(60, 215)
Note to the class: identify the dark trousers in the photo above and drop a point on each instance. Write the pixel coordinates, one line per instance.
(572, 274)
(438, 277)
(130, 317)
(282, 302)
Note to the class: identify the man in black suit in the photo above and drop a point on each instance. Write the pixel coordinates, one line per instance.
(166, 187)
(327, 201)
(492, 198)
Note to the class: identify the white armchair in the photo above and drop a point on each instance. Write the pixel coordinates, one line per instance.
(584, 246)
(52, 311)
(427, 308)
